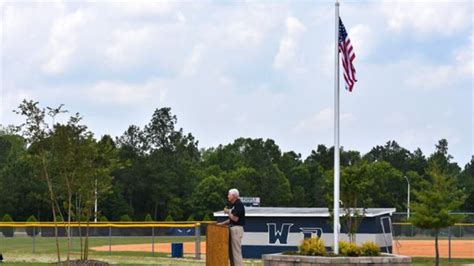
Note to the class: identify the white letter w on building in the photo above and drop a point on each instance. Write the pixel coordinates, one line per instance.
(281, 235)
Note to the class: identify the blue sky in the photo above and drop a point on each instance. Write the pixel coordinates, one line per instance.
(248, 69)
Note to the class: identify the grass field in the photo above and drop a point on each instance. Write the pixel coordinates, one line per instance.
(47, 245)
(18, 251)
(430, 261)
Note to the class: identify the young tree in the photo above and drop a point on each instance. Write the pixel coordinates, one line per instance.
(434, 203)
(74, 165)
(354, 184)
(36, 132)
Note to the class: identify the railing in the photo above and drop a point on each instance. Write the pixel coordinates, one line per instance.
(115, 232)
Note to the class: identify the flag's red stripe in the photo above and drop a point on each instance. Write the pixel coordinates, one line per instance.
(347, 57)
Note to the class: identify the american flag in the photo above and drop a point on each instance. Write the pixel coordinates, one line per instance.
(347, 56)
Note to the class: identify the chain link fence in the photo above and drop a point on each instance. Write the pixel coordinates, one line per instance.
(456, 241)
(150, 238)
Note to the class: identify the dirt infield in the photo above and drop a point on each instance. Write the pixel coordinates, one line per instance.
(425, 248)
(415, 248)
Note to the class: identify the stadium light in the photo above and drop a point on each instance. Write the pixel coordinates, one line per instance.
(408, 198)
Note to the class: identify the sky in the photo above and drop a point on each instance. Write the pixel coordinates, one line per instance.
(259, 69)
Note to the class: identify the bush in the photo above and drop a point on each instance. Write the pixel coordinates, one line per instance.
(125, 218)
(103, 218)
(32, 231)
(369, 248)
(8, 231)
(82, 218)
(312, 247)
(206, 218)
(191, 218)
(348, 249)
(169, 218)
(148, 218)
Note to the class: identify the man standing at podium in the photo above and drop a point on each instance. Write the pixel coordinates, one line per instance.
(236, 224)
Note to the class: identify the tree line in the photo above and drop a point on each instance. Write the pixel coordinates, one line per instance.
(55, 171)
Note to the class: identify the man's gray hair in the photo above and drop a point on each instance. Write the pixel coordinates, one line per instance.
(234, 191)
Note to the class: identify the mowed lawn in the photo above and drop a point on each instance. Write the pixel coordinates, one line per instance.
(19, 250)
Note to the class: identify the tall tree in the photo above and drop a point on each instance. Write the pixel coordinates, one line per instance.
(325, 157)
(21, 189)
(388, 189)
(442, 158)
(209, 196)
(392, 153)
(466, 181)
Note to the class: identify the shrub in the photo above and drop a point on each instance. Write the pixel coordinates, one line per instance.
(206, 218)
(369, 248)
(148, 218)
(8, 231)
(191, 218)
(32, 231)
(82, 218)
(125, 218)
(103, 218)
(169, 218)
(348, 249)
(312, 247)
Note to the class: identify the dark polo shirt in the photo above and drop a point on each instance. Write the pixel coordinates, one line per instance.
(238, 209)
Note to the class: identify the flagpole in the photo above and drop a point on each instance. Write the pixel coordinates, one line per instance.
(336, 135)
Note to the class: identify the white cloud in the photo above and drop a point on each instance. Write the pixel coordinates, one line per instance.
(10, 99)
(107, 92)
(431, 76)
(142, 8)
(289, 43)
(191, 64)
(427, 135)
(465, 58)
(241, 33)
(445, 18)
(63, 42)
(362, 39)
(129, 45)
(214, 65)
(323, 121)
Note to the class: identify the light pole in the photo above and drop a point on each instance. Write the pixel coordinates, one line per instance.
(408, 198)
(95, 202)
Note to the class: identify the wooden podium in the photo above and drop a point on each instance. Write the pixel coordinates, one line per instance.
(217, 245)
